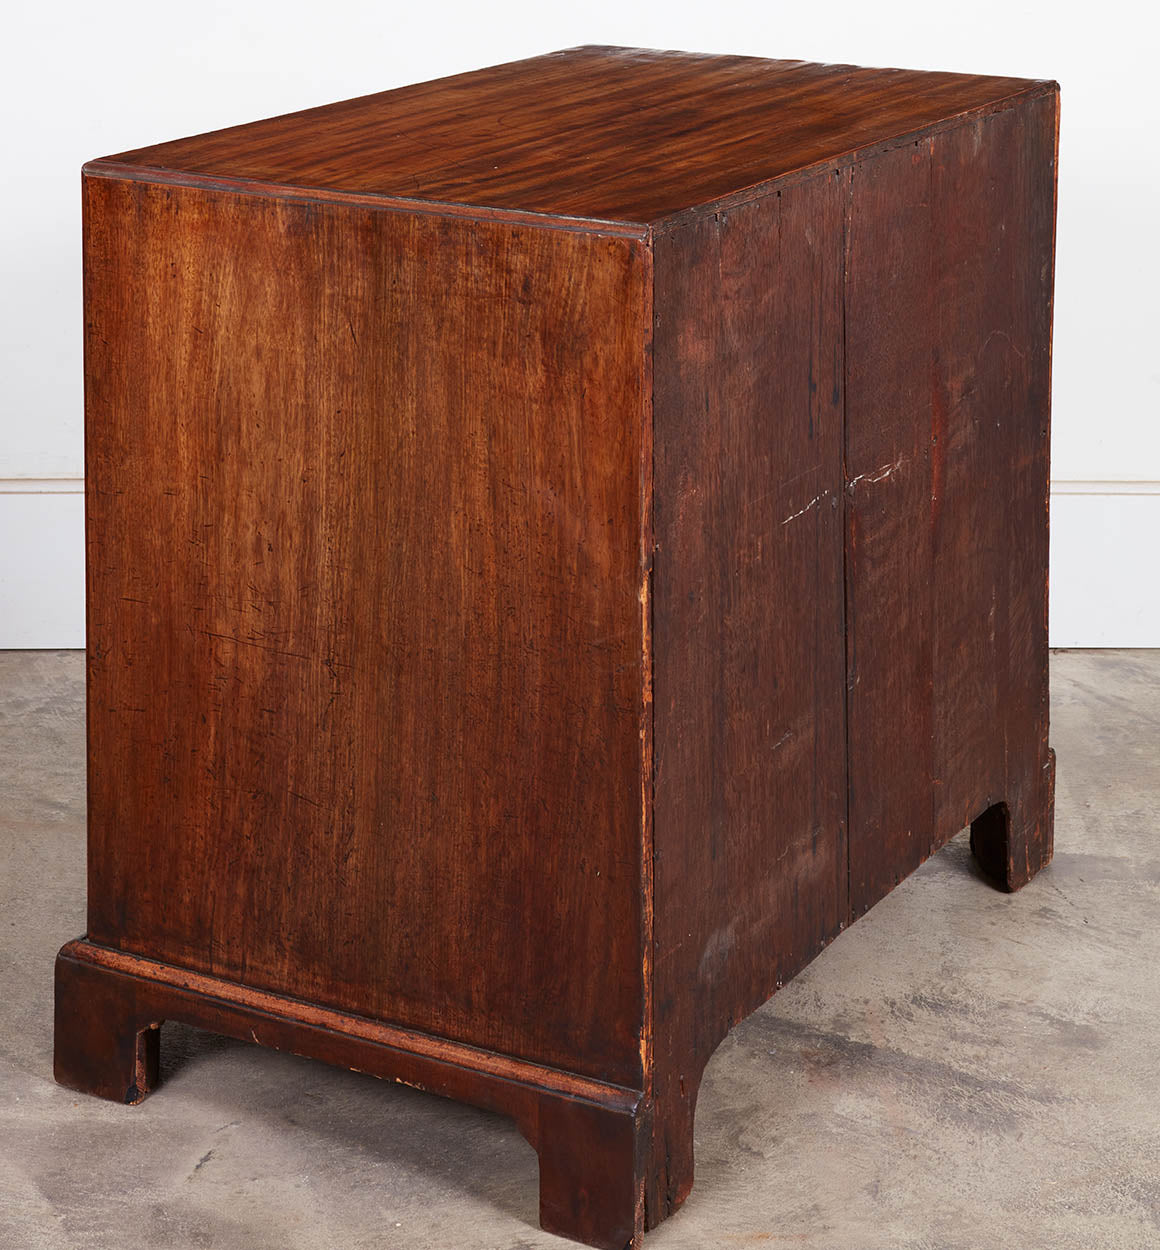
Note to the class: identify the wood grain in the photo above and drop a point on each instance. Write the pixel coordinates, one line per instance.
(889, 307)
(997, 200)
(750, 870)
(618, 134)
(364, 623)
(588, 1136)
(262, 1005)
(948, 310)
(562, 543)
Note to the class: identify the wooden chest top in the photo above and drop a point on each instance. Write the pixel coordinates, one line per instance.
(624, 135)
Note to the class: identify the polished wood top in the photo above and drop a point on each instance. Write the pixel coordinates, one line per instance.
(612, 134)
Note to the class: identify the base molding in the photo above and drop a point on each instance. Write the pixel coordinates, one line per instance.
(590, 1136)
(262, 1016)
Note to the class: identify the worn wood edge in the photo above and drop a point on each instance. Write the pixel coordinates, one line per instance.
(647, 709)
(438, 1051)
(845, 879)
(735, 199)
(90, 444)
(161, 175)
(1046, 696)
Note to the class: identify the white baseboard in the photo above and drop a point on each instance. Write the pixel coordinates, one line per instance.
(1105, 569)
(42, 563)
(1105, 587)
(42, 485)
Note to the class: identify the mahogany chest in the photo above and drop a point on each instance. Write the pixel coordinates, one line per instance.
(563, 542)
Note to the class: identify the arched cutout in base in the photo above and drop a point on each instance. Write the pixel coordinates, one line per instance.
(989, 839)
(1013, 840)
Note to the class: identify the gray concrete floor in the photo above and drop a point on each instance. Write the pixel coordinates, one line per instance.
(964, 1069)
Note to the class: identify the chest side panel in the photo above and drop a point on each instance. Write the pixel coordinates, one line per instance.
(949, 262)
(750, 872)
(364, 626)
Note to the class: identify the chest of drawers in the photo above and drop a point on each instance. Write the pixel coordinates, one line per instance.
(563, 542)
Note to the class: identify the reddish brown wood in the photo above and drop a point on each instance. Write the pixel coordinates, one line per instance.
(889, 670)
(383, 618)
(585, 1132)
(948, 338)
(107, 1041)
(618, 134)
(750, 855)
(524, 630)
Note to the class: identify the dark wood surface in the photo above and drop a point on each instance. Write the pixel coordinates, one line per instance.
(750, 853)
(358, 648)
(890, 509)
(517, 643)
(588, 1135)
(948, 334)
(621, 134)
(851, 417)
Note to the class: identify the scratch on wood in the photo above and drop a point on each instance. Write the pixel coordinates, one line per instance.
(878, 475)
(817, 499)
(242, 642)
(1002, 334)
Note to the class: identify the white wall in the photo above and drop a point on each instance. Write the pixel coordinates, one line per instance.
(82, 80)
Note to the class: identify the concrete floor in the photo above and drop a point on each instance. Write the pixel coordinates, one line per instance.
(965, 1069)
